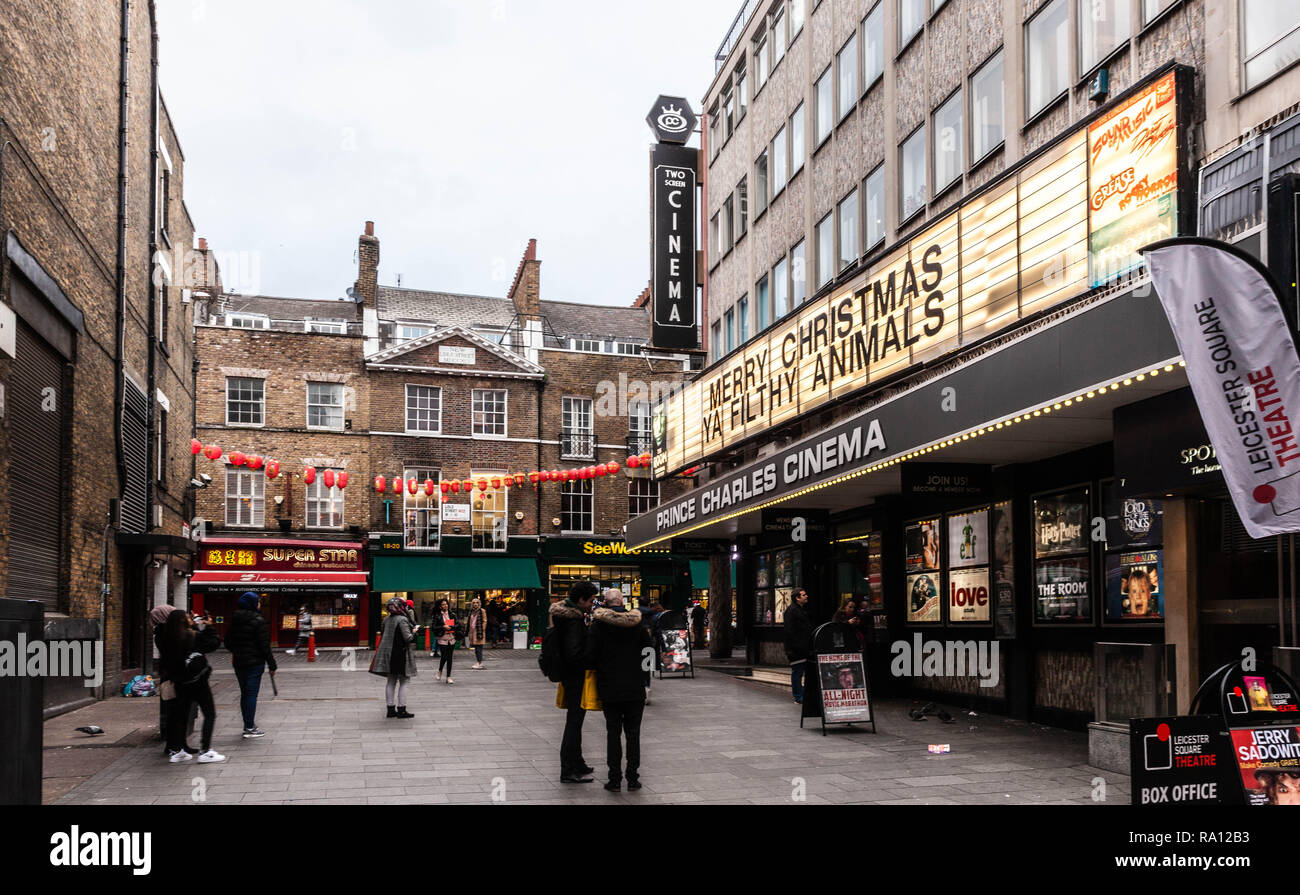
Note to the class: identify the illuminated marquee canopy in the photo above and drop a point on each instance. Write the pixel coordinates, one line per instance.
(1066, 220)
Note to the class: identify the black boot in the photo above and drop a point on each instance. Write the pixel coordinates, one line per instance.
(392, 712)
(403, 713)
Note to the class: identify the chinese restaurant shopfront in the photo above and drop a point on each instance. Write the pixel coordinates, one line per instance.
(967, 489)
(644, 576)
(326, 576)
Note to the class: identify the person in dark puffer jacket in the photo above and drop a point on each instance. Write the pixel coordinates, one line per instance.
(618, 647)
(569, 616)
(249, 642)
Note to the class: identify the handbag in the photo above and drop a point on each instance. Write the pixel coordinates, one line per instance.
(590, 696)
(196, 670)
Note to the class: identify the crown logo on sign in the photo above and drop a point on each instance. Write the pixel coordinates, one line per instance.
(670, 109)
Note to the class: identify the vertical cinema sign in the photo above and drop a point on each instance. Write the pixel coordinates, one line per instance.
(674, 181)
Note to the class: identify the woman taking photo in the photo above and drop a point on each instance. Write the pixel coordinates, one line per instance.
(395, 657)
(476, 631)
(182, 657)
(444, 628)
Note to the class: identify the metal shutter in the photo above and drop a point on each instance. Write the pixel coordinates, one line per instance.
(135, 495)
(36, 473)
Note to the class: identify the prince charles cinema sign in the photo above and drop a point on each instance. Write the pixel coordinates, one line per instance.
(1062, 222)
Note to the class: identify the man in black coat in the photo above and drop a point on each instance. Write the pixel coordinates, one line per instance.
(569, 617)
(249, 641)
(618, 648)
(798, 641)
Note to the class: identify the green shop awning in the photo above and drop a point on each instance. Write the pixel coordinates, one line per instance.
(410, 573)
(700, 574)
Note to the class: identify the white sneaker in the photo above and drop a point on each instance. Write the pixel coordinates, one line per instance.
(647, 695)
(438, 676)
(290, 652)
(476, 667)
(210, 756)
(181, 756)
(449, 680)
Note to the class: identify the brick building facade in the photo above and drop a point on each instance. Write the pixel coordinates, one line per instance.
(96, 242)
(427, 386)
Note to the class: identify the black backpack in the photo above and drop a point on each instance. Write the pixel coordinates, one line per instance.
(551, 661)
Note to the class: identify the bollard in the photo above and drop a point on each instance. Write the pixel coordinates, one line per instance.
(428, 642)
(311, 647)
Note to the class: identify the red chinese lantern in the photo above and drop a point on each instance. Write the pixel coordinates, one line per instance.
(612, 467)
(196, 446)
(381, 484)
(496, 481)
(444, 487)
(398, 484)
(428, 487)
(645, 459)
(482, 485)
(327, 478)
(591, 472)
(341, 480)
(519, 478)
(212, 452)
(237, 458)
(602, 469)
(309, 475)
(534, 477)
(412, 486)
(446, 497)
(455, 487)
(467, 486)
(255, 462)
(272, 468)
(633, 462)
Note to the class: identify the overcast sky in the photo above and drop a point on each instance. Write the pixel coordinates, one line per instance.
(461, 129)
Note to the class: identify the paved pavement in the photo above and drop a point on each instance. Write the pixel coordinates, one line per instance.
(494, 736)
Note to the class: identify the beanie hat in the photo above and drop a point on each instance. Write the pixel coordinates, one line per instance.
(248, 600)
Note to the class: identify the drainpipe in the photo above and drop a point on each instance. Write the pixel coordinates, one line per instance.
(154, 136)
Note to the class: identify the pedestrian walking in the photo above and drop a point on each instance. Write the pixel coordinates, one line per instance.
(304, 630)
(476, 631)
(183, 647)
(395, 657)
(166, 689)
(249, 642)
(616, 649)
(444, 628)
(568, 616)
(798, 641)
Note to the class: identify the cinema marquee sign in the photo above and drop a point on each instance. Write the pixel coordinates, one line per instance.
(1021, 246)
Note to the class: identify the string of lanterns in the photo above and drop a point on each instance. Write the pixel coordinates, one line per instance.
(413, 486)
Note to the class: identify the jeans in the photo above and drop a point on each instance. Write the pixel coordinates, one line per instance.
(178, 714)
(478, 654)
(200, 695)
(250, 682)
(623, 718)
(797, 678)
(571, 760)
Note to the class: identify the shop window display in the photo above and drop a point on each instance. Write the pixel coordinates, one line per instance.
(924, 574)
(1062, 558)
(1134, 557)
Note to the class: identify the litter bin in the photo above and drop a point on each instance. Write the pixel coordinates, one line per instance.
(21, 706)
(519, 628)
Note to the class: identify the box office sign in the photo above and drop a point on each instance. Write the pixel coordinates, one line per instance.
(1182, 760)
(673, 289)
(1016, 248)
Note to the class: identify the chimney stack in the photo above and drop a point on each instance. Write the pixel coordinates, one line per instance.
(526, 291)
(367, 286)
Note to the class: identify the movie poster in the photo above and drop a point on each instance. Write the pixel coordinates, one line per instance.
(783, 597)
(922, 545)
(875, 572)
(968, 539)
(968, 595)
(1061, 523)
(675, 656)
(1269, 761)
(763, 607)
(783, 566)
(1004, 571)
(1133, 586)
(761, 576)
(844, 688)
(1062, 591)
(923, 597)
(1131, 521)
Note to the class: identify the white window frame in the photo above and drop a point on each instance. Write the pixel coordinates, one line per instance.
(1049, 100)
(250, 486)
(846, 94)
(321, 500)
(798, 151)
(577, 427)
(478, 412)
(873, 183)
(477, 516)
(1084, 18)
(640, 422)
(402, 337)
(942, 184)
(905, 39)
(584, 492)
(248, 321)
(640, 504)
(1289, 39)
(436, 422)
(260, 401)
(317, 404)
(870, 76)
(918, 137)
(424, 511)
(824, 121)
(325, 325)
(980, 152)
(825, 253)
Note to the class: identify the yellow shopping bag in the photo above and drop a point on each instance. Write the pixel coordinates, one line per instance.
(590, 698)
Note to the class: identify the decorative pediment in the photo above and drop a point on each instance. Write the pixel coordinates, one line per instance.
(453, 349)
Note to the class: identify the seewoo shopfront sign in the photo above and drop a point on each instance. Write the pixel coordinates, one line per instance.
(1045, 232)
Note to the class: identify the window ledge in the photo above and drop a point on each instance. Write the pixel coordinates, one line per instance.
(1046, 110)
(988, 156)
(908, 45)
(1103, 62)
(1159, 17)
(1262, 84)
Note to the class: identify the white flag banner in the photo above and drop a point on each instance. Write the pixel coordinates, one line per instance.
(1242, 364)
